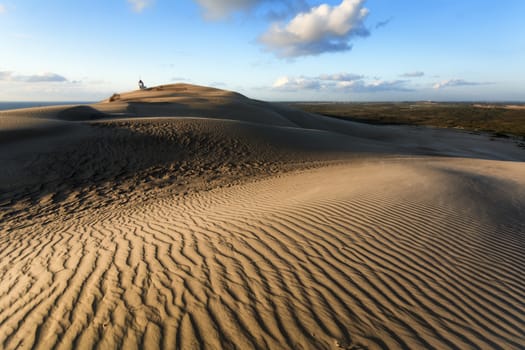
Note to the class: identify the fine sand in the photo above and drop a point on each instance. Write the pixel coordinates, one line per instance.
(188, 217)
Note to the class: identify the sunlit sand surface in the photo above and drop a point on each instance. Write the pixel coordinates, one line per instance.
(188, 217)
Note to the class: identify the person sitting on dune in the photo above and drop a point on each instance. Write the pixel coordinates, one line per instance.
(141, 85)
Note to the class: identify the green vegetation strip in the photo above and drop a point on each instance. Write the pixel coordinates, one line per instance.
(500, 120)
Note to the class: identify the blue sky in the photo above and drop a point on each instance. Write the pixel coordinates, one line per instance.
(348, 50)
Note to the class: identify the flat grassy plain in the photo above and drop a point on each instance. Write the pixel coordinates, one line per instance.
(499, 119)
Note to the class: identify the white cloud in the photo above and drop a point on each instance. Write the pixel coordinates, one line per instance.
(457, 82)
(295, 84)
(36, 78)
(416, 74)
(324, 28)
(311, 31)
(2, 9)
(140, 5)
(342, 82)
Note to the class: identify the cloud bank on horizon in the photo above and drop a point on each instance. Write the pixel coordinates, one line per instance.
(345, 82)
(458, 82)
(46, 77)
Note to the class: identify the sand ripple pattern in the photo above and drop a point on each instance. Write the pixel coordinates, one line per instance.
(311, 260)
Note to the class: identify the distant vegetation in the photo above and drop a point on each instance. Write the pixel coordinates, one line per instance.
(499, 119)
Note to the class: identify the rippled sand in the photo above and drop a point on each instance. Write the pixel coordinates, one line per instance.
(187, 217)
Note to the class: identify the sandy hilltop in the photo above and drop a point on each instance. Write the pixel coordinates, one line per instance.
(189, 217)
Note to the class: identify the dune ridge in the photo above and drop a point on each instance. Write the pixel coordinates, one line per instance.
(272, 230)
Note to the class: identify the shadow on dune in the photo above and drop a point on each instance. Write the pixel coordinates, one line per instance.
(387, 139)
(200, 141)
(111, 157)
(28, 133)
(80, 113)
(176, 149)
(33, 127)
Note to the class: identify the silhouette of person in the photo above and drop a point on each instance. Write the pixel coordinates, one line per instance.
(141, 85)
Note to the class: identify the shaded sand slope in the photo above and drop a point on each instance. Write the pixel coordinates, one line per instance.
(222, 222)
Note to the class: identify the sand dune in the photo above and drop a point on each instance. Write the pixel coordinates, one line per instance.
(189, 217)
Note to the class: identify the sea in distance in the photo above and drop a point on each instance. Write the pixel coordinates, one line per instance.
(16, 105)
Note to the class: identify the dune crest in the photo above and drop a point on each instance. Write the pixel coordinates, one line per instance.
(191, 217)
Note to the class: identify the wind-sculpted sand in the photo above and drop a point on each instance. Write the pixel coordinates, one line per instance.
(269, 228)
